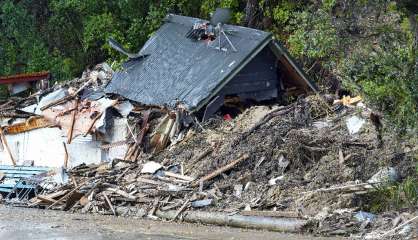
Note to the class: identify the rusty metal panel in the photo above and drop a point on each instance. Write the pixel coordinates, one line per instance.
(25, 77)
(28, 125)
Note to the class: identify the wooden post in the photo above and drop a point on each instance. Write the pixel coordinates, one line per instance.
(71, 130)
(66, 155)
(221, 170)
(6, 146)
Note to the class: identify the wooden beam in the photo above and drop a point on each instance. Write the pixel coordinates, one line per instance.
(73, 117)
(6, 146)
(66, 156)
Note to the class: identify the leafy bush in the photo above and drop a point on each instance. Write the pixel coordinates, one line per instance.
(385, 75)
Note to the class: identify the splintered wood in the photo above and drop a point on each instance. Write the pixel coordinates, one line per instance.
(30, 124)
(104, 188)
(6, 146)
(221, 170)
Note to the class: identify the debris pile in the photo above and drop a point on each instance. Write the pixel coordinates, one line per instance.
(279, 161)
(103, 126)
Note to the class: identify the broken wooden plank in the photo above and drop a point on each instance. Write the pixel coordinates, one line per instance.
(121, 193)
(109, 203)
(6, 146)
(65, 156)
(134, 150)
(66, 195)
(57, 102)
(45, 199)
(179, 176)
(30, 124)
(72, 200)
(181, 209)
(66, 98)
(37, 201)
(154, 207)
(221, 170)
(98, 116)
(148, 181)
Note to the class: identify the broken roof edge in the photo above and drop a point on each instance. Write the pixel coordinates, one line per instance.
(233, 73)
(280, 51)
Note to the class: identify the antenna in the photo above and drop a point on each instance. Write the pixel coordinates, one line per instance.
(219, 18)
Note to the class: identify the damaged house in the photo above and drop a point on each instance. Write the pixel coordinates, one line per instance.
(186, 62)
(188, 67)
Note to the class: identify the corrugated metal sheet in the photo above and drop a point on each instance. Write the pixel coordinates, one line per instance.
(180, 69)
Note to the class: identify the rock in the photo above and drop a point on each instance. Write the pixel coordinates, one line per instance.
(247, 207)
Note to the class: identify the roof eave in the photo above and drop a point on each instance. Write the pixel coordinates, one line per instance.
(280, 51)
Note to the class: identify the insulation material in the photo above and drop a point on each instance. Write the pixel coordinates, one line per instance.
(87, 112)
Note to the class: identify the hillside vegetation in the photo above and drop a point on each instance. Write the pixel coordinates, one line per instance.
(367, 47)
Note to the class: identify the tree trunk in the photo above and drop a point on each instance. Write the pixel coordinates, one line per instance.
(251, 10)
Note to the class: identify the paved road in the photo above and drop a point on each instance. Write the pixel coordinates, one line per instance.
(33, 224)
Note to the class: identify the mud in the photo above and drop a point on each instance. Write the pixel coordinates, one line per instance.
(310, 147)
(24, 223)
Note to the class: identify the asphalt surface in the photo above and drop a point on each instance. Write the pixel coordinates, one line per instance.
(34, 224)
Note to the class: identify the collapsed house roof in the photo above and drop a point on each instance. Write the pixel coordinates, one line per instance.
(175, 69)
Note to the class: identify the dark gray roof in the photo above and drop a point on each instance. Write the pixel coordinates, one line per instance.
(178, 69)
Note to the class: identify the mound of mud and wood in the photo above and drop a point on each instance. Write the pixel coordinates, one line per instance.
(303, 161)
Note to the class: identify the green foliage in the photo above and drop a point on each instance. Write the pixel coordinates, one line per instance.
(395, 196)
(283, 12)
(398, 195)
(209, 6)
(22, 50)
(313, 35)
(385, 75)
(367, 45)
(328, 4)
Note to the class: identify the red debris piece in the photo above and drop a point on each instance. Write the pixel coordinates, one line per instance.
(26, 77)
(227, 117)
